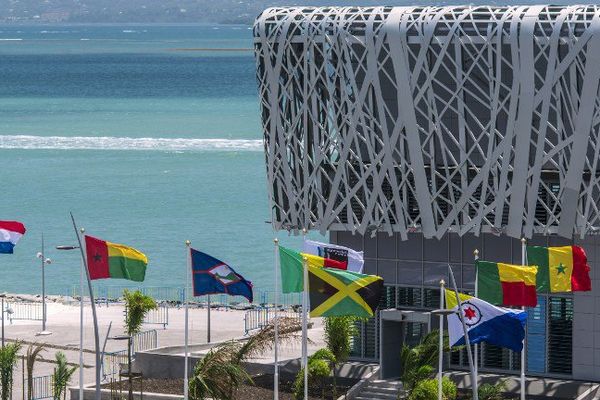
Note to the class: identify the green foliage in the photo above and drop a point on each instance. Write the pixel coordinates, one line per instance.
(418, 362)
(33, 352)
(9, 355)
(428, 390)
(216, 376)
(137, 305)
(488, 391)
(220, 373)
(61, 376)
(320, 365)
(339, 332)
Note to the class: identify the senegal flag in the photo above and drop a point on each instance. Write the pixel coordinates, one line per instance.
(561, 269)
(112, 260)
(506, 284)
(291, 268)
(335, 292)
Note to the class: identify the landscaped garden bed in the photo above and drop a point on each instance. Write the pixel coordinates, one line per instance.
(262, 388)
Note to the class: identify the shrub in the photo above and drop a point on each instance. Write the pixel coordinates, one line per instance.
(491, 392)
(61, 376)
(319, 368)
(9, 355)
(428, 390)
(339, 332)
(137, 305)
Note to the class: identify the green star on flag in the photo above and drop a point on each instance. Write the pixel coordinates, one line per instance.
(560, 269)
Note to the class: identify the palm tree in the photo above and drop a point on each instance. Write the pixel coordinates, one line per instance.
(9, 355)
(61, 376)
(220, 372)
(33, 352)
(418, 362)
(339, 332)
(216, 376)
(137, 305)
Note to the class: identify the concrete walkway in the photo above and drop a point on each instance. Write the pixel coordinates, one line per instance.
(63, 322)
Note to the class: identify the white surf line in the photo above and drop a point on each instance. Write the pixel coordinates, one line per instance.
(28, 142)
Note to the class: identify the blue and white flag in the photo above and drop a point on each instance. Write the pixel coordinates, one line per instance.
(212, 276)
(504, 327)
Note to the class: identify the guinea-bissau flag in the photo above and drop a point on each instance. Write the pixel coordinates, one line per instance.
(560, 269)
(335, 292)
(291, 262)
(112, 260)
(506, 284)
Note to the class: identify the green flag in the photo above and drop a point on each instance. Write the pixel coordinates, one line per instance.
(291, 270)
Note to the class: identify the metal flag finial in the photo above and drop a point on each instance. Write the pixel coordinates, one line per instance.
(276, 241)
(187, 243)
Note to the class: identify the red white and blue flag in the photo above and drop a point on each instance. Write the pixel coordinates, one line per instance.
(10, 233)
(212, 276)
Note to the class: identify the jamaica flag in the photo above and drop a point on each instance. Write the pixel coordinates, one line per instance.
(335, 292)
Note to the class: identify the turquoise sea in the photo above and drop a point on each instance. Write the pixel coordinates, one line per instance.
(147, 144)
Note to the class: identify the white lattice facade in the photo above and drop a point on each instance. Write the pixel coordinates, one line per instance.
(432, 119)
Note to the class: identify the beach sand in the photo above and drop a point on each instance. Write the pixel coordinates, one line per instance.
(63, 322)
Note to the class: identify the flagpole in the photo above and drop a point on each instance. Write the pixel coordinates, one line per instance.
(81, 272)
(186, 307)
(208, 318)
(441, 342)
(276, 323)
(98, 393)
(466, 333)
(476, 346)
(305, 307)
(523, 262)
(305, 326)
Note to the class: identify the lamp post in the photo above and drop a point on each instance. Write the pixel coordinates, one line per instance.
(8, 311)
(45, 261)
(80, 320)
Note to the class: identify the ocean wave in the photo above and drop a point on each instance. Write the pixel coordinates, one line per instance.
(126, 143)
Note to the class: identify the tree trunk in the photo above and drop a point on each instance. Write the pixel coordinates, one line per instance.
(335, 381)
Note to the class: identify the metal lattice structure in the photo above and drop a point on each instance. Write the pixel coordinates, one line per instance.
(432, 118)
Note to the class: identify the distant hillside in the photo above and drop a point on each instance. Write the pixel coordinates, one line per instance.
(164, 11)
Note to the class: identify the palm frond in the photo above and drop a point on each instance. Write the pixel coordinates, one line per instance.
(264, 340)
(33, 352)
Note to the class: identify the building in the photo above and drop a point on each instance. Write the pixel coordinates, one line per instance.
(420, 134)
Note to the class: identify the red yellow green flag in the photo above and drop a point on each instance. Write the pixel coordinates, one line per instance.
(113, 260)
(506, 285)
(561, 269)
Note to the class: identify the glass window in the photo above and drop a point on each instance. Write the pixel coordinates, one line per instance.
(560, 335)
(412, 248)
(387, 270)
(436, 250)
(434, 272)
(410, 273)
(386, 246)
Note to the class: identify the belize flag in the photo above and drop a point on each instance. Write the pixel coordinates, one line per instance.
(504, 327)
(10, 233)
(212, 276)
